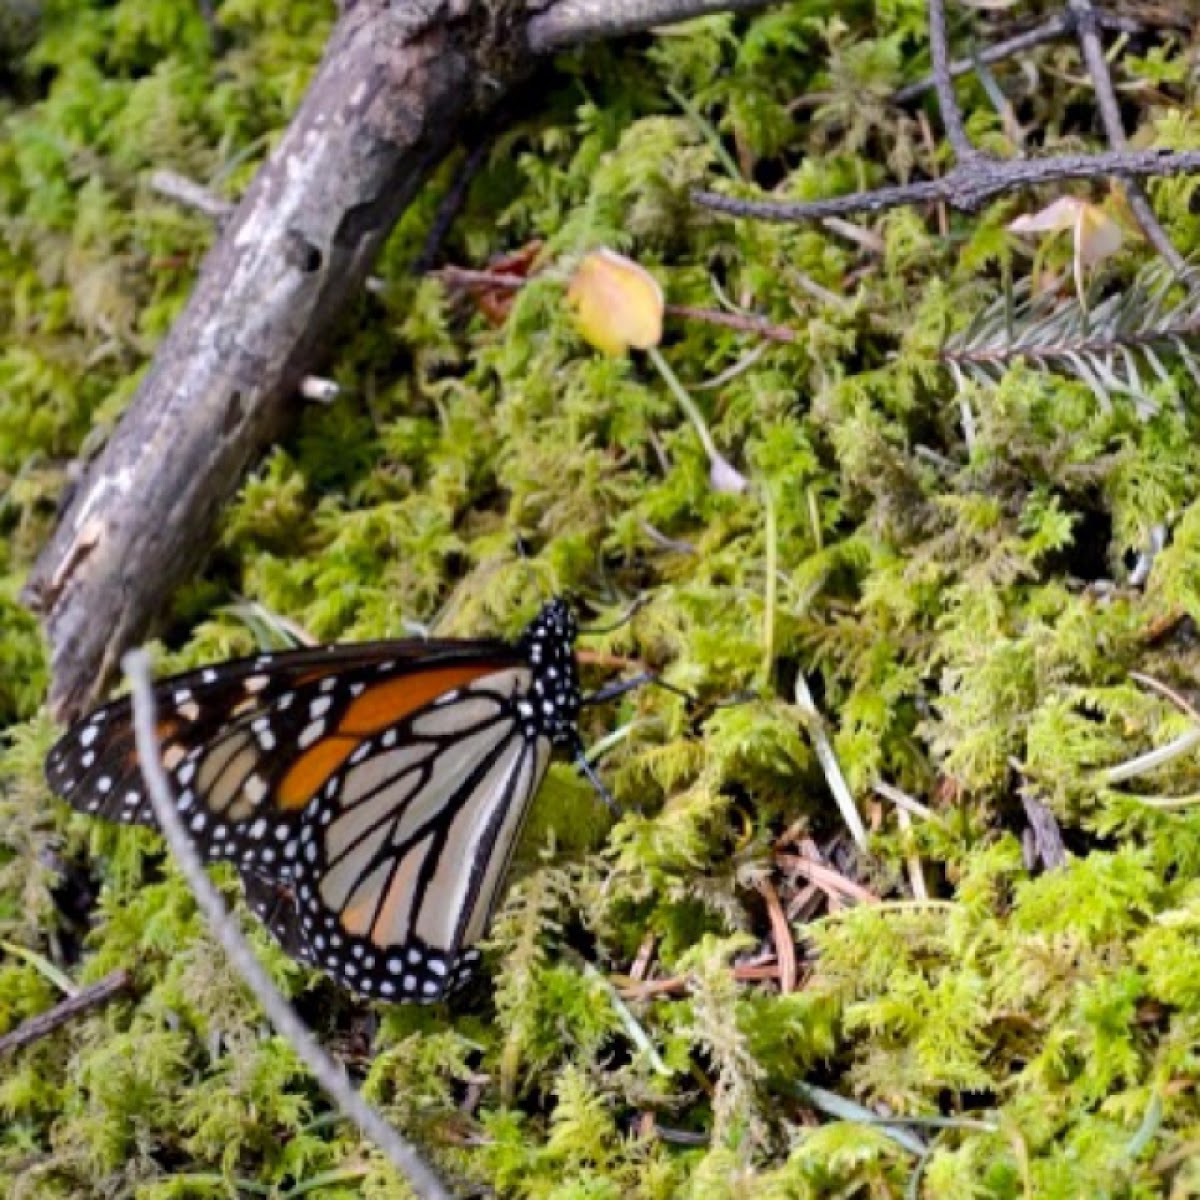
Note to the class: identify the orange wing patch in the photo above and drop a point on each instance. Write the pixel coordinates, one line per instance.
(386, 703)
(378, 706)
(308, 772)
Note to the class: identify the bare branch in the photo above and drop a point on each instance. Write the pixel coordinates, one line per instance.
(967, 186)
(95, 994)
(573, 22)
(190, 194)
(951, 116)
(1049, 29)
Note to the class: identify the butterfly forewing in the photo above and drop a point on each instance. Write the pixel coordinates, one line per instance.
(369, 795)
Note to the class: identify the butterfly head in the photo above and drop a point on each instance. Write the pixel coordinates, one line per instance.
(548, 643)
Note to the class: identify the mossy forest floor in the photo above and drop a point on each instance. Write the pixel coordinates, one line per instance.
(962, 607)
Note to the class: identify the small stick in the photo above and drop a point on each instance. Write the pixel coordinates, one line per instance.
(967, 186)
(903, 800)
(826, 878)
(1047, 31)
(95, 994)
(781, 934)
(190, 194)
(916, 876)
(956, 132)
(681, 983)
(746, 322)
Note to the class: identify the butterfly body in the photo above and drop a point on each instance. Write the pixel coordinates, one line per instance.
(369, 795)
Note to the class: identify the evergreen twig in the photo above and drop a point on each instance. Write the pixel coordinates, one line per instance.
(1116, 346)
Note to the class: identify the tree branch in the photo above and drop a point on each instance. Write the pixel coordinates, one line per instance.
(1049, 29)
(573, 22)
(95, 994)
(956, 132)
(967, 186)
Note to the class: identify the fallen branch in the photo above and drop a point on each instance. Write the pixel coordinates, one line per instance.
(395, 87)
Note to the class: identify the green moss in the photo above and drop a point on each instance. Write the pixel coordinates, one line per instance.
(951, 575)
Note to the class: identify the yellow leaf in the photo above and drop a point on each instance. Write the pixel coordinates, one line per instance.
(617, 303)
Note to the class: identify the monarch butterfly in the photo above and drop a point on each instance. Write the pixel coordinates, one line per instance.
(370, 795)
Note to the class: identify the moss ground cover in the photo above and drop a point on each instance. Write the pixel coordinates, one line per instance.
(956, 591)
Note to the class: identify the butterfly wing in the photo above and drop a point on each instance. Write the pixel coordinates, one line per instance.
(381, 784)
(403, 851)
(94, 766)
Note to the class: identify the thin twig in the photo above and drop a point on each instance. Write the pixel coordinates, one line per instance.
(745, 322)
(94, 994)
(967, 186)
(781, 935)
(190, 194)
(903, 800)
(450, 205)
(332, 1077)
(1053, 27)
(1164, 689)
(826, 878)
(645, 989)
(916, 876)
(956, 132)
(1086, 27)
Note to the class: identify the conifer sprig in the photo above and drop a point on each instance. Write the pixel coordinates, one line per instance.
(1125, 344)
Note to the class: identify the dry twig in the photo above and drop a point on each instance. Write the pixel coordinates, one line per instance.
(975, 177)
(95, 994)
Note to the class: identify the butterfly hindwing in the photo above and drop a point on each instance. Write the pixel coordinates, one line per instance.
(403, 852)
